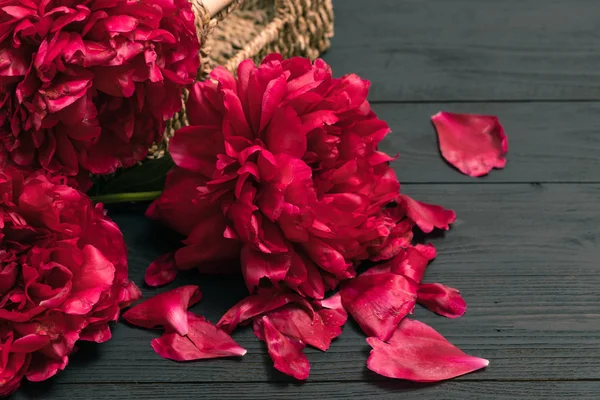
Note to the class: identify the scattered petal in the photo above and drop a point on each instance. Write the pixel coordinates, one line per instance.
(167, 309)
(162, 270)
(316, 329)
(474, 144)
(413, 262)
(285, 352)
(418, 353)
(257, 304)
(427, 216)
(379, 301)
(204, 340)
(441, 299)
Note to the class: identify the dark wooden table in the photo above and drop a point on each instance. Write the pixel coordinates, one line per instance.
(525, 250)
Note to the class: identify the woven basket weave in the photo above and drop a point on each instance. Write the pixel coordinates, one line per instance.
(253, 29)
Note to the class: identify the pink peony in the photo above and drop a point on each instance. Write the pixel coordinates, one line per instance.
(280, 169)
(63, 276)
(87, 85)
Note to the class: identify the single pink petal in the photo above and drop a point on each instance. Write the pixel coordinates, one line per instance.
(264, 301)
(427, 216)
(326, 256)
(94, 276)
(129, 294)
(194, 148)
(474, 144)
(162, 270)
(379, 301)
(441, 299)
(413, 261)
(285, 352)
(204, 340)
(286, 134)
(29, 343)
(257, 265)
(417, 352)
(315, 329)
(167, 309)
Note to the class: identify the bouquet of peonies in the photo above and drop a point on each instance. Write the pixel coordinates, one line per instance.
(279, 171)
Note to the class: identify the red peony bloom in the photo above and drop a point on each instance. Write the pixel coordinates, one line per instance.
(87, 85)
(280, 168)
(63, 276)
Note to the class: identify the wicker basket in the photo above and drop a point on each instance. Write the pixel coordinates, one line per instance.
(252, 29)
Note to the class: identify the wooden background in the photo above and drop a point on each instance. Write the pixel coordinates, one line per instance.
(524, 251)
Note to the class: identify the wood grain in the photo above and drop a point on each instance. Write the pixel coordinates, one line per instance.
(440, 50)
(372, 390)
(548, 142)
(525, 257)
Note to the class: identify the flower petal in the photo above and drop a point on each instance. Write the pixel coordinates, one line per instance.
(167, 309)
(417, 352)
(427, 216)
(204, 340)
(413, 261)
(264, 301)
(95, 276)
(257, 265)
(285, 352)
(162, 270)
(474, 144)
(286, 134)
(315, 329)
(441, 299)
(379, 301)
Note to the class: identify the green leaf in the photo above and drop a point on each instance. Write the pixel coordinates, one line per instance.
(147, 177)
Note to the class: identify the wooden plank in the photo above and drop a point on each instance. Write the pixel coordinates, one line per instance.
(548, 142)
(439, 50)
(453, 390)
(525, 257)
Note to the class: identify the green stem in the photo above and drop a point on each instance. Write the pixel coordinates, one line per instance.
(125, 197)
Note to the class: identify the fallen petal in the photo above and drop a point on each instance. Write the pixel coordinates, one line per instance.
(285, 352)
(441, 299)
(418, 353)
(257, 304)
(204, 340)
(167, 309)
(474, 144)
(379, 301)
(413, 262)
(162, 270)
(427, 216)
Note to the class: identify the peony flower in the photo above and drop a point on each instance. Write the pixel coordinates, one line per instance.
(279, 169)
(63, 275)
(87, 85)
